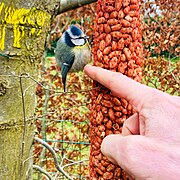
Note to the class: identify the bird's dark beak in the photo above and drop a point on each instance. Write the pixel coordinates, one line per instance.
(86, 37)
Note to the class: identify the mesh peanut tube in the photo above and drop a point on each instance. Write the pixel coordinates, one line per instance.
(117, 47)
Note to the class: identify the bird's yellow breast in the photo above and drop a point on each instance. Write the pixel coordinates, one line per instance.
(82, 57)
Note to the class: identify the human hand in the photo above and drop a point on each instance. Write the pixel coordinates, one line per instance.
(149, 147)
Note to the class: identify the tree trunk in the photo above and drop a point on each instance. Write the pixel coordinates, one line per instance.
(23, 30)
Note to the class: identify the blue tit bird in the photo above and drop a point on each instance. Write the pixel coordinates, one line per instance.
(72, 52)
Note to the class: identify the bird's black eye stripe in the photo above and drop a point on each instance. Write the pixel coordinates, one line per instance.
(80, 38)
(68, 40)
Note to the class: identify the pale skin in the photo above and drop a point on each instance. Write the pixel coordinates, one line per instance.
(149, 146)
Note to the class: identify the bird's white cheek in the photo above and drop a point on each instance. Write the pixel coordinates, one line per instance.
(78, 42)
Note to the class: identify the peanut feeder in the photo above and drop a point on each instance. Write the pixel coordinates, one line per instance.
(117, 47)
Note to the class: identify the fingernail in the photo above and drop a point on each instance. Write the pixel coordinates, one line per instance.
(86, 68)
(89, 70)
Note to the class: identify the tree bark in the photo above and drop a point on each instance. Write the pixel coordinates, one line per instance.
(23, 32)
(73, 4)
(56, 7)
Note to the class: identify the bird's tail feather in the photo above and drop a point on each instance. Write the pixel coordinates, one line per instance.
(64, 71)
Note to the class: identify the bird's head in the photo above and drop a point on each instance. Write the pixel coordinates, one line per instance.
(74, 36)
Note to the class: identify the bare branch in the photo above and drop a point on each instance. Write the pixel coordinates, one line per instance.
(55, 7)
(26, 75)
(74, 162)
(58, 167)
(66, 5)
(43, 171)
(24, 126)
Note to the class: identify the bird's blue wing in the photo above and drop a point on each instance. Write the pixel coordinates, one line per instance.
(66, 66)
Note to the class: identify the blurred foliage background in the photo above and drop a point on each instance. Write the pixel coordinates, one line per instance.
(62, 120)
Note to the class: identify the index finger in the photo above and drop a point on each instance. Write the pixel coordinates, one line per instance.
(121, 86)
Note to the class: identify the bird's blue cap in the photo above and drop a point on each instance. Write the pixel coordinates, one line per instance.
(75, 30)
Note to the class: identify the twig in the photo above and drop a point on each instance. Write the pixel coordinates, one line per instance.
(60, 92)
(55, 177)
(170, 68)
(52, 90)
(73, 162)
(25, 90)
(43, 171)
(46, 92)
(24, 126)
(58, 167)
(160, 25)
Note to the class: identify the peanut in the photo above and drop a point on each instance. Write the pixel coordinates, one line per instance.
(108, 39)
(101, 20)
(114, 14)
(109, 125)
(102, 45)
(108, 175)
(107, 28)
(125, 3)
(113, 62)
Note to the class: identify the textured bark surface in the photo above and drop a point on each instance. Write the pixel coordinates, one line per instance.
(55, 7)
(117, 47)
(23, 32)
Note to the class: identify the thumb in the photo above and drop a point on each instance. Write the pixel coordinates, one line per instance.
(138, 155)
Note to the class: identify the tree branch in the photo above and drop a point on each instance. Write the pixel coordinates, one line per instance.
(66, 5)
(55, 7)
(42, 171)
(58, 167)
